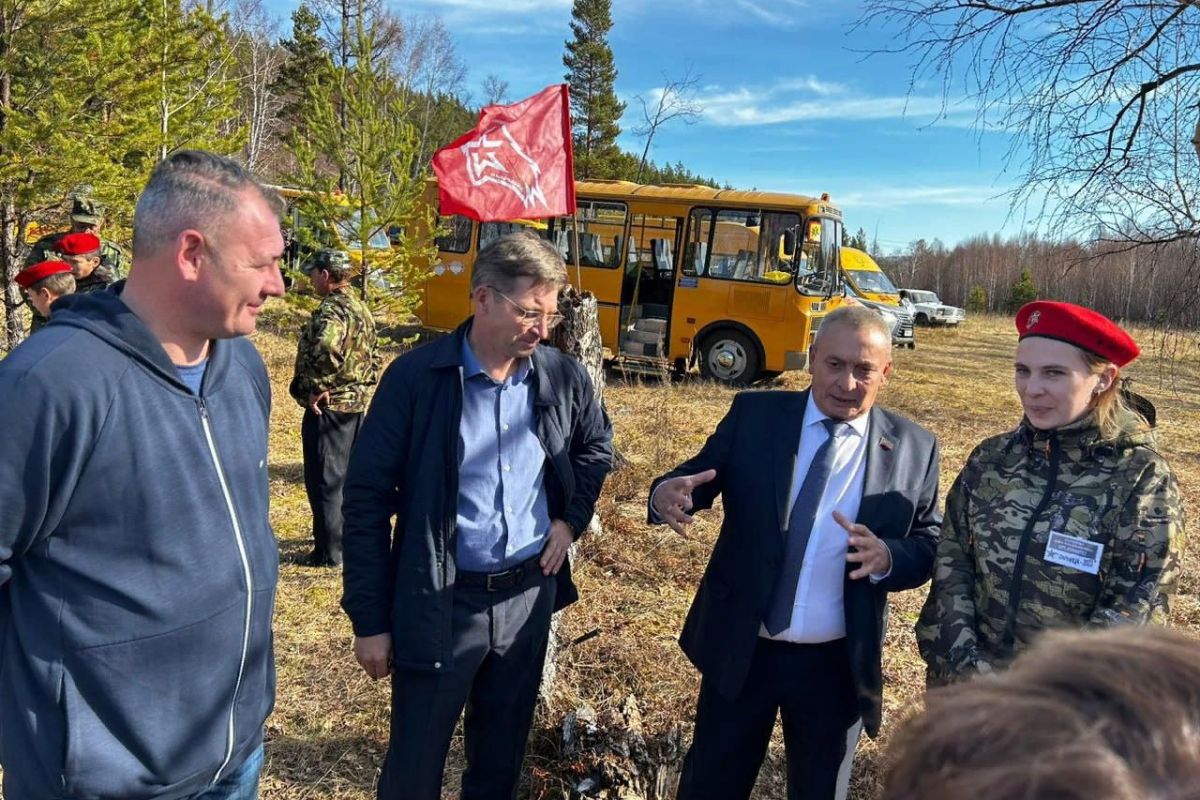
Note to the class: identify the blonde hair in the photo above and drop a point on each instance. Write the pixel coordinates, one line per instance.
(1113, 415)
(58, 284)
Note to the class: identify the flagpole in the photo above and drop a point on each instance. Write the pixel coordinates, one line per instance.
(575, 248)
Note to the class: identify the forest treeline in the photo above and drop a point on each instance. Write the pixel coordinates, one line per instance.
(989, 273)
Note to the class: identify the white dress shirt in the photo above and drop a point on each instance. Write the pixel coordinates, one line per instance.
(819, 613)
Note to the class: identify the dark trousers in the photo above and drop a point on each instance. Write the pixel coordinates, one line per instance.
(326, 439)
(499, 646)
(811, 687)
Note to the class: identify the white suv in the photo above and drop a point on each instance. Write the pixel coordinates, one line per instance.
(929, 310)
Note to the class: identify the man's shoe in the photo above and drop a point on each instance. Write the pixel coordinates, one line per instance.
(315, 559)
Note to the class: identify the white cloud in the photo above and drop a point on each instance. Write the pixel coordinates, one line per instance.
(490, 18)
(893, 197)
(762, 12)
(491, 7)
(808, 98)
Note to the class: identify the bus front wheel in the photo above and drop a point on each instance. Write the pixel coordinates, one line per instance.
(730, 357)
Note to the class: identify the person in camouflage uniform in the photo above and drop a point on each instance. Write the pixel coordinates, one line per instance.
(336, 367)
(87, 216)
(1074, 519)
(81, 251)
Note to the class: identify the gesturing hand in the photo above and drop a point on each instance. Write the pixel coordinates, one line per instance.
(673, 499)
(867, 549)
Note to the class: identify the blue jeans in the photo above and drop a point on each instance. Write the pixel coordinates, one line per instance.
(241, 784)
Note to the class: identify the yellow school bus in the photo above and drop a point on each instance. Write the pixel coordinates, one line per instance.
(341, 233)
(734, 281)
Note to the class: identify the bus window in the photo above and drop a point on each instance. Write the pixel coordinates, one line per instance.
(457, 238)
(734, 250)
(695, 250)
(491, 231)
(774, 257)
(601, 232)
(643, 231)
(348, 231)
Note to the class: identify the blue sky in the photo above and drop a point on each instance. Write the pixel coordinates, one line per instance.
(792, 103)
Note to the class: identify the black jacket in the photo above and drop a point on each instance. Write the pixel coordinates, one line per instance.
(753, 451)
(405, 463)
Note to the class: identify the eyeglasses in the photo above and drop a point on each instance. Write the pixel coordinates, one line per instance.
(528, 317)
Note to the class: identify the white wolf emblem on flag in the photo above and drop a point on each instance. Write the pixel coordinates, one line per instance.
(500, 160)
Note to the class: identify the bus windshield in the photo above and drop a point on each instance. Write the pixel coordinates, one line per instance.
(819, 257)
(871, 281)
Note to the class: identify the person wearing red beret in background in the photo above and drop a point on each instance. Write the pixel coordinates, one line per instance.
(82, 252)
(1072, 520)
(45, 282)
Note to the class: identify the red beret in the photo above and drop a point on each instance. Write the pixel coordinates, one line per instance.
(78, 244)
(39, 272)
(1079, 326)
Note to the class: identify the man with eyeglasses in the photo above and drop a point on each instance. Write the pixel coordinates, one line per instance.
(490, 451)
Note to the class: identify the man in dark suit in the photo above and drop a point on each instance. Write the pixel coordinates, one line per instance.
(789, 616)
(489, 450)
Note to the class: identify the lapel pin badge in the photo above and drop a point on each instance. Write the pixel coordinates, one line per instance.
(885, 443)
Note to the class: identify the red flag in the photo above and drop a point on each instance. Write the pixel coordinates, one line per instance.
(516, 164)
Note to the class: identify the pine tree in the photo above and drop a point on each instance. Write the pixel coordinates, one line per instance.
(96, 92)
(1021, 292)
(307, 62)
(187, 62)
(360, 175)
(592, 73)
(977, 299)
(68, 97)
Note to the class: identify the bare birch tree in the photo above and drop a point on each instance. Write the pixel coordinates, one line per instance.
(1100, 97)
(674, 100)
(259, 103)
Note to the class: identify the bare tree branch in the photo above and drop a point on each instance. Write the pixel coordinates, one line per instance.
(1099, 99)
(675, 99)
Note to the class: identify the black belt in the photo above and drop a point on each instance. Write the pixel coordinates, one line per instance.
(499, 581)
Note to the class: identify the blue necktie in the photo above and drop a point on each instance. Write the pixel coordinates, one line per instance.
(800, 525)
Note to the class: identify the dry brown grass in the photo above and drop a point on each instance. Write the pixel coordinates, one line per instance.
(329, 729)
(327, 736)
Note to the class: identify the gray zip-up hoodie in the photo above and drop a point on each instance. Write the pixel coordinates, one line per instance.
(137, 562)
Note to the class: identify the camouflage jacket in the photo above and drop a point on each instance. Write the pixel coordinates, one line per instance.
(112, 258)
(337, 353)
(994, 588)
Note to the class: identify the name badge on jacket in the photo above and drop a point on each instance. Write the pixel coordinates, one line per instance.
(1072, 551)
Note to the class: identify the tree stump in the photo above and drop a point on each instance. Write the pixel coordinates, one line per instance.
(578, 336)
(623, 763)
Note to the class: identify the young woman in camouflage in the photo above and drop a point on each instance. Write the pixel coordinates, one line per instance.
(1071, 520)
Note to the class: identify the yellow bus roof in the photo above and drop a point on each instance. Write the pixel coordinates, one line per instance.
(853, 258)
(690, 193)
(694, 193)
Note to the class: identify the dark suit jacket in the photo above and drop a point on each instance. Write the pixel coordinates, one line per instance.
(405, 465)
(753, 451)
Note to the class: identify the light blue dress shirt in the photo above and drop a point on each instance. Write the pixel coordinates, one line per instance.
(502, 513)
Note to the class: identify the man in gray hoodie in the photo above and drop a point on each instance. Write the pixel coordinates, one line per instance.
(135, 622)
